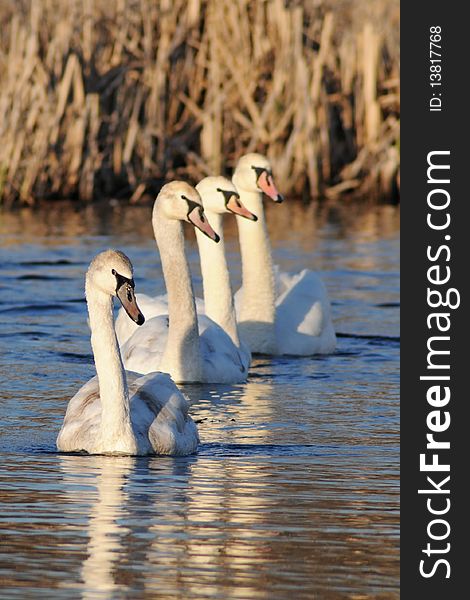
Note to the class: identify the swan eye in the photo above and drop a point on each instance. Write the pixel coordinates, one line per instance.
(192, 205)
(259, 171)
(228, 195)
(123, 281)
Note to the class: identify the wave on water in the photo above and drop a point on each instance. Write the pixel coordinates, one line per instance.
(216, 450)
(49, 263)
(75, 357)
(371, 338)
(26, 334)
(38, 308)
(36, 277)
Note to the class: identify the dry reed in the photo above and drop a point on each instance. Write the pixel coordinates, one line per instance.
(105, 98)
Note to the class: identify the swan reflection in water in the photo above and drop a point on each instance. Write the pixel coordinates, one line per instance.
(196, 524)
(218, 535)
(107, 475)
(218, 523)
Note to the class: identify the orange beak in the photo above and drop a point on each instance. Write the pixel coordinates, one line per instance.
(199, 220)
(238, 208)
(266, 183)
(126, 295)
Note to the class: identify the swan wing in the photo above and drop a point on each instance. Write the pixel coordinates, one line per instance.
(143, 351)
(285, 281)
(303, 315)
(223, 361)
(82, 419)
(160, 411)
(150, 307)
(159, 417)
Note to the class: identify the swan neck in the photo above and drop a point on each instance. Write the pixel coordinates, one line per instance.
(182, 355)
(114, 395)
(258, 298)
(218, 296)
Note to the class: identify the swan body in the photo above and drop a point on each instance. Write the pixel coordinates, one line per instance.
(190, 348)
(219, 196)
(277, 313)
(151, 306)
(222, 362)
(118, 412)
(159, 415)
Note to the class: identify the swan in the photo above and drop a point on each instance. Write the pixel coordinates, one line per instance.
(117, 412)
(190, 348)
(277, 313)
(151, 306)
(219, 196)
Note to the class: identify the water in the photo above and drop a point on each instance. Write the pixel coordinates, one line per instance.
(294, 491)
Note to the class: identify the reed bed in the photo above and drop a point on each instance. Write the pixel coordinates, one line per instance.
(103, 98)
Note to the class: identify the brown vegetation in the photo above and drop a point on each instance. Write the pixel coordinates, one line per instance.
(103, 98)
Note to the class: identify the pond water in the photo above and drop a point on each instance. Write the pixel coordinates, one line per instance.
(295, 489)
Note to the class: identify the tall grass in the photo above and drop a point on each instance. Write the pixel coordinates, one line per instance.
(110, 98)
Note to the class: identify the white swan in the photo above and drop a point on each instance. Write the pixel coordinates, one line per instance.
(277, 313)
(115, 412)
(219, 197)
(151, 306)
(191, 349)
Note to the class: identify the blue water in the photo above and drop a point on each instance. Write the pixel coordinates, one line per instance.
(294, 491)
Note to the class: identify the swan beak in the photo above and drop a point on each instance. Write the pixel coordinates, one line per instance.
(266, 183)
(126, 295)
(199, 220)
(235, 206)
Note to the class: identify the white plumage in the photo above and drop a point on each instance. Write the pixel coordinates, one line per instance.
(118, 412)
(219, 197)
(222, 362)
(191, 348)
(159, 419)
(151, 306)
(277, 313)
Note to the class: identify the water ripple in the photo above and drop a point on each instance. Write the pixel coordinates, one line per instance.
(294, 491)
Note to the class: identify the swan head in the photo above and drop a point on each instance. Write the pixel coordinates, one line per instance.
(253, 173)
(111, 272)
(179, 201)
(220, 196)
